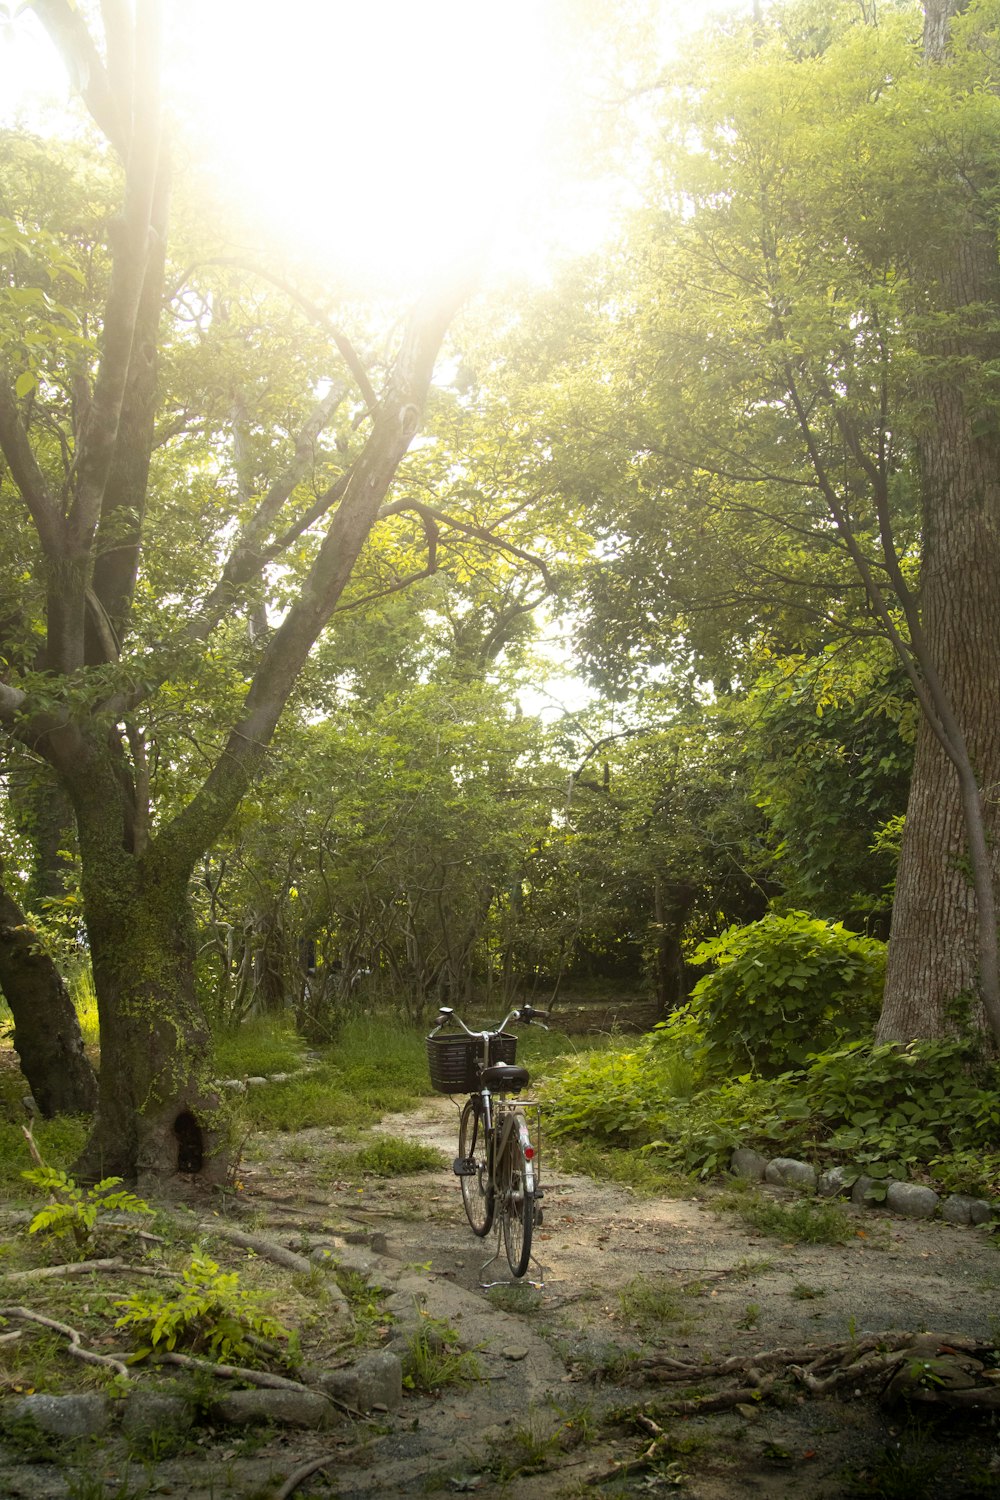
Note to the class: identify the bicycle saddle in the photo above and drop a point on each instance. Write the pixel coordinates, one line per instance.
(505, 1078)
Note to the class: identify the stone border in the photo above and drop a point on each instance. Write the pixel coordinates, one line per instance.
(909, 1199)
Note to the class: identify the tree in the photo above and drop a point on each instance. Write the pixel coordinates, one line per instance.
(807, 329)
(106, 478)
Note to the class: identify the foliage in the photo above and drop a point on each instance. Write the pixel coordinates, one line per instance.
(259, 1046)
(829, 739)
(434, 1358)
(928, 1109)
(390, 1156)
(76, 1212)
(211, 1314)
(784, 987)
(807, 1221)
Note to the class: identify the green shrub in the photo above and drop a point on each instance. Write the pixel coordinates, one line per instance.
(785, 987)
(211, 1314)
(78, 1213)
(930, 1109)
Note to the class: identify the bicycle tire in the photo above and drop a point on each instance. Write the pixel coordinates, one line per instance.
(477, 1189)
(517, 1206)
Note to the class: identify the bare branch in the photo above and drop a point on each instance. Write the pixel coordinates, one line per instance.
(73, 1334)
(67, 28)
(469, 528)
(27, 475)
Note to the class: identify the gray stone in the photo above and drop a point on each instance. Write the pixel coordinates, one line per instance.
(784, 1171)
(62, 1416)
(868, 1192)
(156, 1411)
(833, 1182)
(748, 1163)
(375, 1379)
(912, 1200)
(959, 1208)
(282, 1408)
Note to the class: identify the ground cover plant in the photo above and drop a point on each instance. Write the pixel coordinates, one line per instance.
(930, 1110)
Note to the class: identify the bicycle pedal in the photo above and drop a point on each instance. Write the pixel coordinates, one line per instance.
(462, 1167)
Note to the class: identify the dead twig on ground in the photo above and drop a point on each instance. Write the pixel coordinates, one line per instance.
(74, 1347)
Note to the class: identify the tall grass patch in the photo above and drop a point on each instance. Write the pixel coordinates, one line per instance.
(376, 1066)
(258, 1046)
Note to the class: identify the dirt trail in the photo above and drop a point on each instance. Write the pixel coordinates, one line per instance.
(555, 1414)
(704, 1289)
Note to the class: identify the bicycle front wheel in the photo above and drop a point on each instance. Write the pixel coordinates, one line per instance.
(517, 1175)
(477, 1189)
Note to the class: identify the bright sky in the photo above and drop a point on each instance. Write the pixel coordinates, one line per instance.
(384, 137)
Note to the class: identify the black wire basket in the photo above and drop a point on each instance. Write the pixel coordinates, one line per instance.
(454, 1061)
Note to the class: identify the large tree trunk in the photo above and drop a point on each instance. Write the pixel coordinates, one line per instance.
(47, 1036)
(158, 1115)
(934, 969)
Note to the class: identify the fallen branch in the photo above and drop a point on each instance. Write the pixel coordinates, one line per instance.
(925, 1367)
(73, 1334)
(83, 1268)
(294, 1479)
(237, 1372)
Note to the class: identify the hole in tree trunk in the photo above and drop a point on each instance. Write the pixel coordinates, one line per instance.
(190, 1146)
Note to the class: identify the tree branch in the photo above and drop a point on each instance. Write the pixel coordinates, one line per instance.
(67, 28)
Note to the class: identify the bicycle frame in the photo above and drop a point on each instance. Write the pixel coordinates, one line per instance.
(499, 1157)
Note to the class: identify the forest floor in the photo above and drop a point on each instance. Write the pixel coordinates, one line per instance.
(571, 1399)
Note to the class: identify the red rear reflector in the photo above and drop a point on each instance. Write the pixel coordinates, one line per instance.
(529, 1152)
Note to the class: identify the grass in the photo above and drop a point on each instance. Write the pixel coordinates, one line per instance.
(375, 1067)
(647, 1303)
(434, 1358)
(807, 1221)
(390, 1156)
(261, 1045)
(644, 1173)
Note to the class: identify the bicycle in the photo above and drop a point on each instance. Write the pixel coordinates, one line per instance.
(499, 1140)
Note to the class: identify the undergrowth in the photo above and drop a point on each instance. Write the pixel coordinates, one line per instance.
(928, 1110)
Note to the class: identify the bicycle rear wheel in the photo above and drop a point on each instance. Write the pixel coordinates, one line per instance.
(517, 1206)
(477, 1189)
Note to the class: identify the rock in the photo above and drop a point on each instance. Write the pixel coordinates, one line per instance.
(62, 1416)
(748, 1163)
(514, 1352)
(868, 1192)
(833, 1182)
(959, 1208)
(282, 1408)
(784, 1171)
(156, 1411)
(374, 1380)
(912, 1200)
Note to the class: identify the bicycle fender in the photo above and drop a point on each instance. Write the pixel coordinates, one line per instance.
(512, 1123)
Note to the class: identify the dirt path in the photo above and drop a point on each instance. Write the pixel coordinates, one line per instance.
(622, 1275)
(559, 1411)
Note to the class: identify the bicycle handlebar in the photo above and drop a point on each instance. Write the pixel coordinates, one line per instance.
(525, 1014)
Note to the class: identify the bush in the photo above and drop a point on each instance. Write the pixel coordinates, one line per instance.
(931, 1109)
(785, 987)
